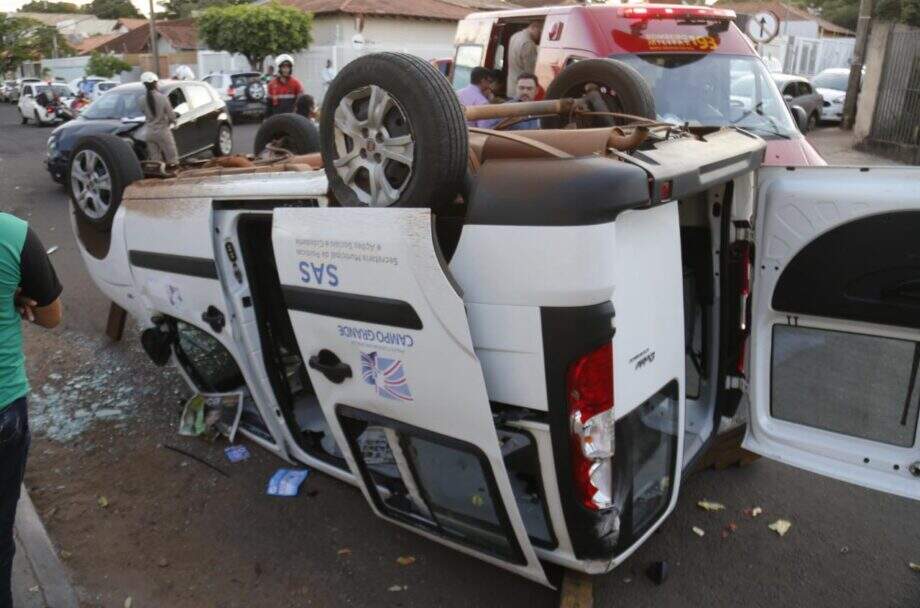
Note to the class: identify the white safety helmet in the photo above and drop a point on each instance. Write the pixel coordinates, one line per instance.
(284, 57)
(148, 77)
(183, 72)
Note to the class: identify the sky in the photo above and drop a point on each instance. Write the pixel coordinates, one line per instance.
(12, 5)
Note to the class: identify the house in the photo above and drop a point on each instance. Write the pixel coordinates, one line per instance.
(180, 35)
(346, 29)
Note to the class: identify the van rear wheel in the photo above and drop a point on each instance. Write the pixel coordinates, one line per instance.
(606, 85)
(101, 167)
(291, 132)
(393, 133)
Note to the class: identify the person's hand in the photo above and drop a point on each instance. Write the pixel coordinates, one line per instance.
(25, 306)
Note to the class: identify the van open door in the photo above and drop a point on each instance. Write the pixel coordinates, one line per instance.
(836, 324)
(386, 335)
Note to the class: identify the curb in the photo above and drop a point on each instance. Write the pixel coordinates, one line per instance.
(36, 545)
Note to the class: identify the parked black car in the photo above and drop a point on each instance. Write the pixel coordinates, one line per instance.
(244, 93)
(204, 123)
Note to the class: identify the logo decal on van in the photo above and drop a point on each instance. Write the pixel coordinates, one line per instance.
(387, 376)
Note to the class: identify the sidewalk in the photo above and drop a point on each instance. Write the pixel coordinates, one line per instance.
(39, 577)
(837, 148)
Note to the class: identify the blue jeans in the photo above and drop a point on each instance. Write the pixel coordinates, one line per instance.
(14, 447)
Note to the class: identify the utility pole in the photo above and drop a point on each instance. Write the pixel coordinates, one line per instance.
(153, 40)
(859, 56)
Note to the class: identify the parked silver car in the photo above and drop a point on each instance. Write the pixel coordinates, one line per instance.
(832, 85)
(798, 91)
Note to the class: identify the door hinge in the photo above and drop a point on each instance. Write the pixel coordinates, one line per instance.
(214, 317)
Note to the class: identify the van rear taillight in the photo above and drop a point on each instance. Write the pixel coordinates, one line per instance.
(589, 387)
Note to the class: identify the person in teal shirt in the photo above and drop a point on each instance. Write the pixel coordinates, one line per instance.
(29, 291)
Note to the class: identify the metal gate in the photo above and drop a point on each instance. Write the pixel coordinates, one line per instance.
(897, 111)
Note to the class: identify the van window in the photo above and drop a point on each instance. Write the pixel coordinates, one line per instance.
(210, 366)
(198, 96)
(468, 57)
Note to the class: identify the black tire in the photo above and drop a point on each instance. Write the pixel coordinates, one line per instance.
(426, 108)
(121, 164)
(627, 92)
(297, 134)
(24, 119)
(217, 151)
(38, 121)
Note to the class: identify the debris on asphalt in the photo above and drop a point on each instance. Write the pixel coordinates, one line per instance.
(914, 567)
(844, 550)
(398, 588)
(211, 415)
(162, 562)
(729, 529)
(752, 512)
(286, 482)
(236, 453)
(699, 531)
(129, 601)
(103, 502)
(710, 506)
(658, 572)
(405, 560)
(344, 552)
(65, 554)
(781, 526)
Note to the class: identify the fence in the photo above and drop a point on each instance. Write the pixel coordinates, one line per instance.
(896, 118)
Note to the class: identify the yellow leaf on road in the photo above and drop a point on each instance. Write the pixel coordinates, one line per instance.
(699, 531)
(405, 560)
(781, 526)
(914, 567)
(710, 506)
(103, 502)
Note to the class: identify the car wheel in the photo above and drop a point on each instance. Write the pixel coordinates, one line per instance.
(608, 86)
(291, 132)
(101, 167)
(812, 122)
(24, 119)
(224, 144)
(38, 121)
(393, 133)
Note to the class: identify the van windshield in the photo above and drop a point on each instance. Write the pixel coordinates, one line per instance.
(714, 90)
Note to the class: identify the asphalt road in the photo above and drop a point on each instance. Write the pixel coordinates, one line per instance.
(847, 546)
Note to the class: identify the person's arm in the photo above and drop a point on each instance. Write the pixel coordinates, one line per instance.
(170, 113)
(529, 55)
(38, 298)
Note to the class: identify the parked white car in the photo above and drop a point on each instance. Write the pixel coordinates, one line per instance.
(37, 102)
(832, 85)
(518, 345)
(92, 86)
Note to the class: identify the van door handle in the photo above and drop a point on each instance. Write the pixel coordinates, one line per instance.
(328, 364)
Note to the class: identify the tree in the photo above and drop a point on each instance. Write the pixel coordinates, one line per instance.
(256, 31)
(23, 39)
(106, 65)
(846, 12)
(44, 6)
(183, 9)
(111, 9)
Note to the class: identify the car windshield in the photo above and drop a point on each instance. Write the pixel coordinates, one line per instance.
(56, 90)
(831, 80)
(714, 90)
(116, 104)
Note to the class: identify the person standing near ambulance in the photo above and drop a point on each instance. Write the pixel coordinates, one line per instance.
(29, 291)
(161, 145)
(283, 89)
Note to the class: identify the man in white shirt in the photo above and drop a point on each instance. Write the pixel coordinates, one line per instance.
(523, 47)
(328, 75)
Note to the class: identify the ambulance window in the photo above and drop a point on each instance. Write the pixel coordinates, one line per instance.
(468, 57)
(210, 365)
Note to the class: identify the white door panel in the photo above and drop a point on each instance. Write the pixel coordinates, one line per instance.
(836, 335)
(390, 348)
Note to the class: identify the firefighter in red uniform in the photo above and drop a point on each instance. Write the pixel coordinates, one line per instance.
(283, 89)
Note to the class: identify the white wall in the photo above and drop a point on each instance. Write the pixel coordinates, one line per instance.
(333, 40)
